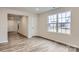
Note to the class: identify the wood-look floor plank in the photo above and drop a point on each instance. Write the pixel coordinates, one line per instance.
(18, 43)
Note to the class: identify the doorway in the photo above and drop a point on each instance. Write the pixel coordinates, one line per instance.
(13, 22)
(17, 26)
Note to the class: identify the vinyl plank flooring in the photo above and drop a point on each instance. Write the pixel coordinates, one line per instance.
(19, 43)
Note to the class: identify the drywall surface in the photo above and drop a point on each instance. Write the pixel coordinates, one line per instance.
(72, 39)
(12, 25)
(23, 26)
(3, 27)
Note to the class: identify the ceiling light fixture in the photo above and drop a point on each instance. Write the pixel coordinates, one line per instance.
(37, 9)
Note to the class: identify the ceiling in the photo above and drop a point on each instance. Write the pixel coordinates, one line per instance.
(36, 10)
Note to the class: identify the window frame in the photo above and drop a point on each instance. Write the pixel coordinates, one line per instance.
(51, 23)
(57, 23)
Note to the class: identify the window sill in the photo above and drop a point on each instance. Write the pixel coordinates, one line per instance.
(59, 33)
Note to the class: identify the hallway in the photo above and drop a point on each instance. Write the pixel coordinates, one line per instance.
(18, 43)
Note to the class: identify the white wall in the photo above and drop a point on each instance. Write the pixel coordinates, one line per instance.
(4, 22)
(72, 39)
(12, 24)
(32, 26)
(3, 27)
(23, 26)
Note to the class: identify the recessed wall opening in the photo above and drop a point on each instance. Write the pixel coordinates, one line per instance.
(17, 25)
(13, 22)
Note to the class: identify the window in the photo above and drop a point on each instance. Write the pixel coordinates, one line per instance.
(52, 23)
(60, 22)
